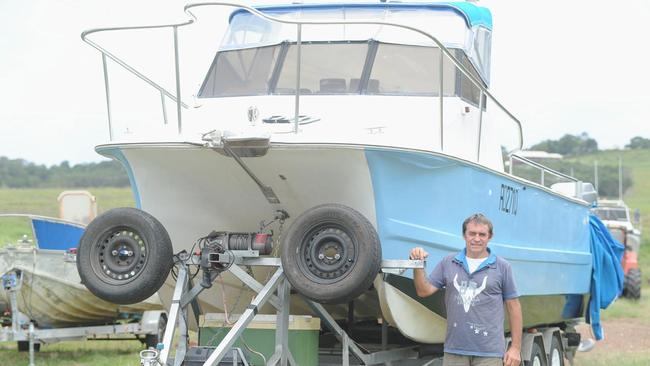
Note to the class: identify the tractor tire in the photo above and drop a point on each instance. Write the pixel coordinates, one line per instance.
(632, 285)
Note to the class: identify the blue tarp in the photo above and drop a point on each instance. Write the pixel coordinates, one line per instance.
(607, 277)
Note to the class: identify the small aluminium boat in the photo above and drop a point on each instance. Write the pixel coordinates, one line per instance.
(44, 275)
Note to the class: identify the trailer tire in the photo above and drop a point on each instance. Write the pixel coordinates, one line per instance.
(537, 357)
(23, 346)
(124, 256)
(632, 285)
(331, 254)
(556, 354)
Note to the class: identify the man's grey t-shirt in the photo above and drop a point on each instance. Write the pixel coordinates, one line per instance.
(475, 308)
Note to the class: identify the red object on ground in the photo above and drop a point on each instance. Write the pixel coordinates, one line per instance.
(629, 261)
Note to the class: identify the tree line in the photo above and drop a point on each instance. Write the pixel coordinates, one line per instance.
(583, 144)
(19, 173)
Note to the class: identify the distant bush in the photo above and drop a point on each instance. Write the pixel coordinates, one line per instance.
(638, 142)
(19, 173)
(568, 145)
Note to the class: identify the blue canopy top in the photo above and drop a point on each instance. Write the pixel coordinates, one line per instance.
(473, 15)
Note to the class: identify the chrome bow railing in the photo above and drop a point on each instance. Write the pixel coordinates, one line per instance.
(544, 170)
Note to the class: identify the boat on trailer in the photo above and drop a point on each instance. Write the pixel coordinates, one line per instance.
(353, 132)
(41, 269)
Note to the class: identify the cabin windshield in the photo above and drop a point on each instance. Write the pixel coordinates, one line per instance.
(362, 67)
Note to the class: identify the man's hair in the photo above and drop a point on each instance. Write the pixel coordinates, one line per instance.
(478, 218)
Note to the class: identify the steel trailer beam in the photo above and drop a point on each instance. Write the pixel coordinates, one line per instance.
(183, 296)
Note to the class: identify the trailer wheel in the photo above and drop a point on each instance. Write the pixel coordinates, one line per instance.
(536, 356)
(124, 256)
(632, 285)
(556, 355)
(152, 340)
(331, 254)
(23, 346)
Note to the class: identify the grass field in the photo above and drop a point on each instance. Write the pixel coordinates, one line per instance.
(87, 353)
(626, 324)
(623, 308)
(640, 358)
(44, 202)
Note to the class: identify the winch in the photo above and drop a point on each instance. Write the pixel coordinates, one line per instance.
(217, 252)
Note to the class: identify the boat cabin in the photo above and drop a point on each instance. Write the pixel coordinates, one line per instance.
(367, 73)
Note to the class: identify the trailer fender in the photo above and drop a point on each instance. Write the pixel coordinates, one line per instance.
(547, 337)
(527, 345)
(151, 320)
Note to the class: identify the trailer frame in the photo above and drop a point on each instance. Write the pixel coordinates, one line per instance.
(24, 331)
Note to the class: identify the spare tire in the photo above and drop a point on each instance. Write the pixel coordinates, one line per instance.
(331, 254)
(124, 256)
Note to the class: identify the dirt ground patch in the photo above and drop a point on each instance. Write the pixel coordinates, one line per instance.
(624, 339)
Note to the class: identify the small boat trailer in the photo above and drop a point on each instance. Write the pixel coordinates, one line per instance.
(538, 344)
(276, 292)
(29, 337)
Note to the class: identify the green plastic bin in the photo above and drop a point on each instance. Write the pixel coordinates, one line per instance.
(260, 336)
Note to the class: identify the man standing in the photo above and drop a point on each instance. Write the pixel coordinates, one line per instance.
(477, 283)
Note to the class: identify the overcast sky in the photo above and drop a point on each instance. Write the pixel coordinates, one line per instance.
(560, 66)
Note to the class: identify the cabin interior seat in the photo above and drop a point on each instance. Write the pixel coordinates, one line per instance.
(333, 85)
(373, 86)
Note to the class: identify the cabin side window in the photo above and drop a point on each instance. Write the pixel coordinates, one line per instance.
(467, 90)
(410, 70)
(481, 51)
(240, 72)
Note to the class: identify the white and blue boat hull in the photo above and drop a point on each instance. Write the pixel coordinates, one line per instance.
(411, 197)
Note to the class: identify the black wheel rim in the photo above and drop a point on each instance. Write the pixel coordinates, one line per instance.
(119, 256)
(327, 254)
